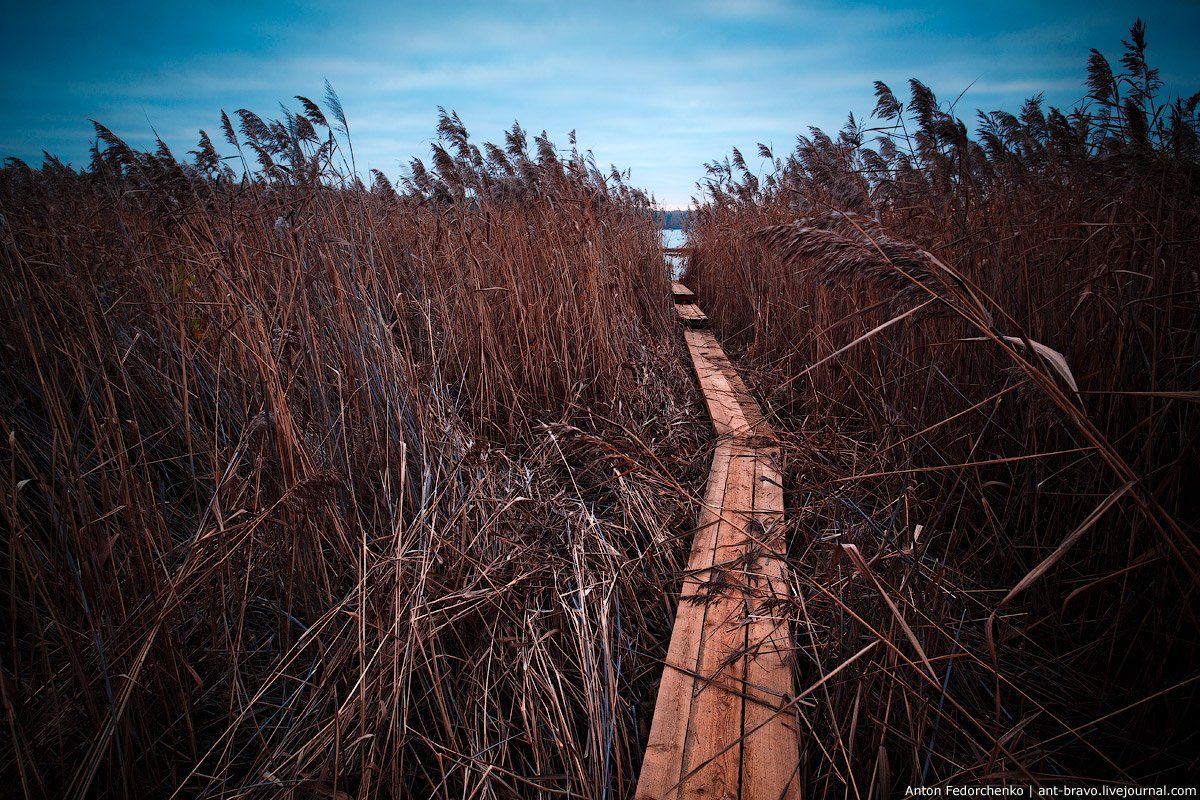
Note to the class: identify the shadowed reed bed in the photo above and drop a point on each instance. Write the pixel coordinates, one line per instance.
(984, 352)
(324, 490)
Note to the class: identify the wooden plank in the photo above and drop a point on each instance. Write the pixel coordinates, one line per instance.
(724, 411)
(691, 315)
(681, 293)
(707, 355)
(770, 763)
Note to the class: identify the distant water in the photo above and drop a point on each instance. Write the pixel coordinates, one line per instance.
(673, 237)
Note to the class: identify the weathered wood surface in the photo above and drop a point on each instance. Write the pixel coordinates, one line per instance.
(681, 293)
(722, 725)
(691, 315)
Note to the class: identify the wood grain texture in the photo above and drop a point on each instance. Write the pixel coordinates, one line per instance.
(691, 315)
(681, 293)
(723, 725)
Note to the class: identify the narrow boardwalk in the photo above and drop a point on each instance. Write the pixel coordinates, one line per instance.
(721, 727)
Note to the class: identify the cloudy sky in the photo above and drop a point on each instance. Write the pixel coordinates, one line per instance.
(658, 87)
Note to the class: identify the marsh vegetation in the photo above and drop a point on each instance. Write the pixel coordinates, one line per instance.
(334, 486)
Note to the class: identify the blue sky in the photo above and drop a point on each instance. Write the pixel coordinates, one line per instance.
(656, 87)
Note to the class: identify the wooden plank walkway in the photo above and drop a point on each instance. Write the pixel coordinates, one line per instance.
(682, 293)
(722, 727)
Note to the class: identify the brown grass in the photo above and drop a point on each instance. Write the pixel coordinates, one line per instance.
(985, 353)
(313, 489)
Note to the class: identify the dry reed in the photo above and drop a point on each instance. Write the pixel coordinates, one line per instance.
(317, 489)
(984, 352)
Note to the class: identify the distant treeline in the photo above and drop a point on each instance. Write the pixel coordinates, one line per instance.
(671, 219)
